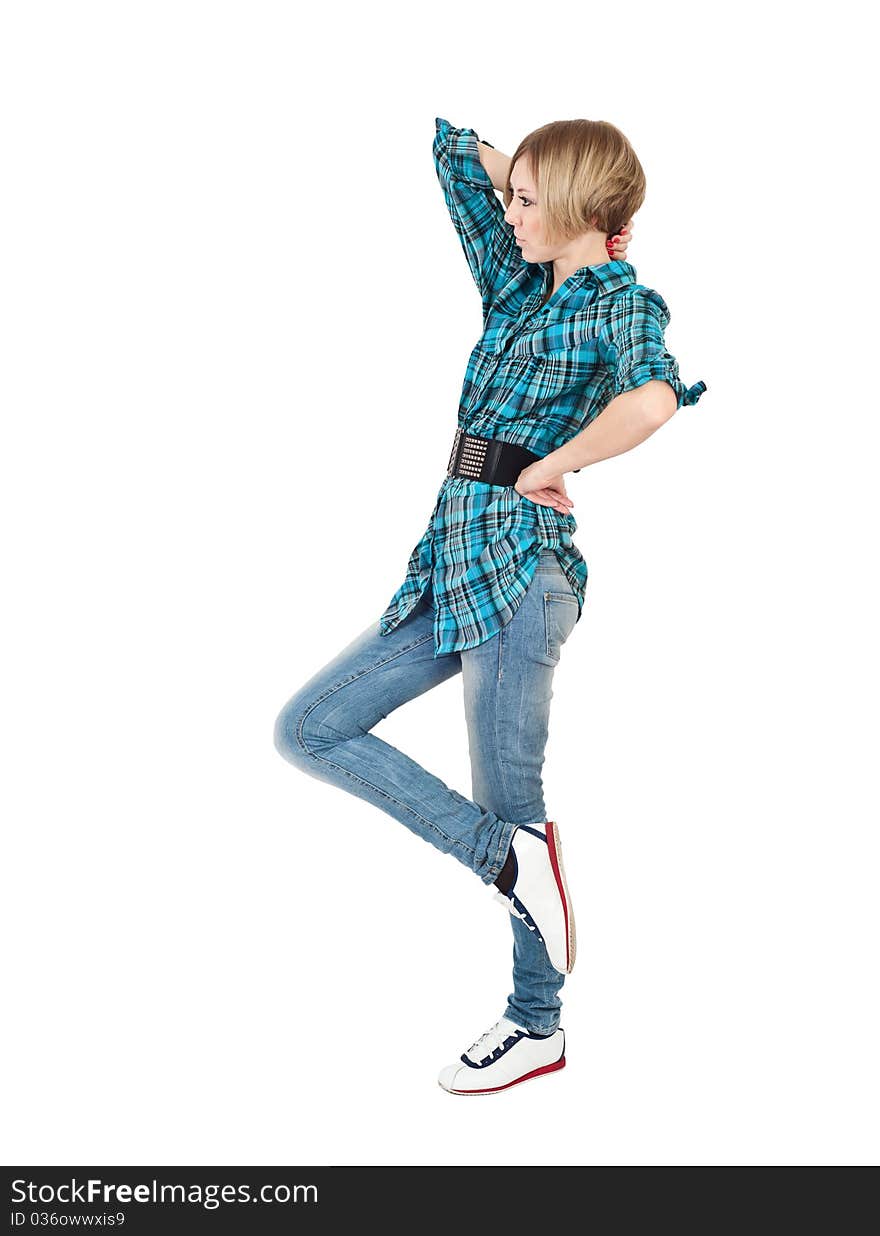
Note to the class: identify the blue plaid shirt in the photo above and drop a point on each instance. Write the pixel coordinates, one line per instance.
(538, 375)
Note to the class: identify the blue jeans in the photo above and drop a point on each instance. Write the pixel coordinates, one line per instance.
(324, 729)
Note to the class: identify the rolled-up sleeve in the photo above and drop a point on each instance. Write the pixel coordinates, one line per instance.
(488, 241)
(635, 348)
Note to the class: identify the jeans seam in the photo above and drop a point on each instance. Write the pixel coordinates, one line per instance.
(453, 842)
(505, 836)
(344, 683)
(495, 869)
(423, 639)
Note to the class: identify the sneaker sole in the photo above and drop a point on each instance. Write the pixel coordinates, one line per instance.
(554, 845)
(547, 1068)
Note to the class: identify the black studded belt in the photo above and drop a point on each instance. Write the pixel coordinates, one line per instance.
(487, 459)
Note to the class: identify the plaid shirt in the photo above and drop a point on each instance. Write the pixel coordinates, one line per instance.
(538, 375)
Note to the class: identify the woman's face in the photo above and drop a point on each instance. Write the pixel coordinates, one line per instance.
(524, 214)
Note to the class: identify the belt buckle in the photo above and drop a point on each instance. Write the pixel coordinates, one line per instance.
(472, 456)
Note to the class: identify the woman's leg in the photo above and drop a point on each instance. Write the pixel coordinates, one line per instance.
(507, 693)
(324, 729)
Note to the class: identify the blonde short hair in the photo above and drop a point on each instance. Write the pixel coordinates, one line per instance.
(587, 175)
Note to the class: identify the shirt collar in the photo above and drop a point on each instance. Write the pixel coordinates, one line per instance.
(606, 275)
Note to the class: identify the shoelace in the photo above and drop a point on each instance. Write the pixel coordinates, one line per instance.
(488, 1042)
(509, 904)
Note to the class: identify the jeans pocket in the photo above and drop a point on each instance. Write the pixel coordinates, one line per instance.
(560, 615)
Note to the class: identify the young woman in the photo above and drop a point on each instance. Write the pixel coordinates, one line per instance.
(495, 585)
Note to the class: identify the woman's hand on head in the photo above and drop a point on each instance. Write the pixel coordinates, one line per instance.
(616, 244)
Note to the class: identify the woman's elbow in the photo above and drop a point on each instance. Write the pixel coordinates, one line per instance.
(660, 400)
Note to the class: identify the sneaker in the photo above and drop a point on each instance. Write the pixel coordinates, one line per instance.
(502, 1057)
(539, 893)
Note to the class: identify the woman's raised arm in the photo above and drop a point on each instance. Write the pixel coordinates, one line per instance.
(478, 216)
(497, 165)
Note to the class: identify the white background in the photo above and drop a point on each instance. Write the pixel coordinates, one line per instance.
(236, 319)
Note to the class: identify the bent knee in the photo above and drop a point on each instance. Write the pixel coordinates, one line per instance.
(303, 732)
(290, 735)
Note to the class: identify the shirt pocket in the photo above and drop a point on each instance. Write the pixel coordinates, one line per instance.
(560, 353)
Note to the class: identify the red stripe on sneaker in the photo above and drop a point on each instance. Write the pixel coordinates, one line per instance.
(547, 1068)
(554, 863)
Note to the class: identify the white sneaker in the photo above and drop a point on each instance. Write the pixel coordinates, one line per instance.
(502, 1057)
(539, 893)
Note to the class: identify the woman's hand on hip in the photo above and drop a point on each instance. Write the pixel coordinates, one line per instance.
(544, 490)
